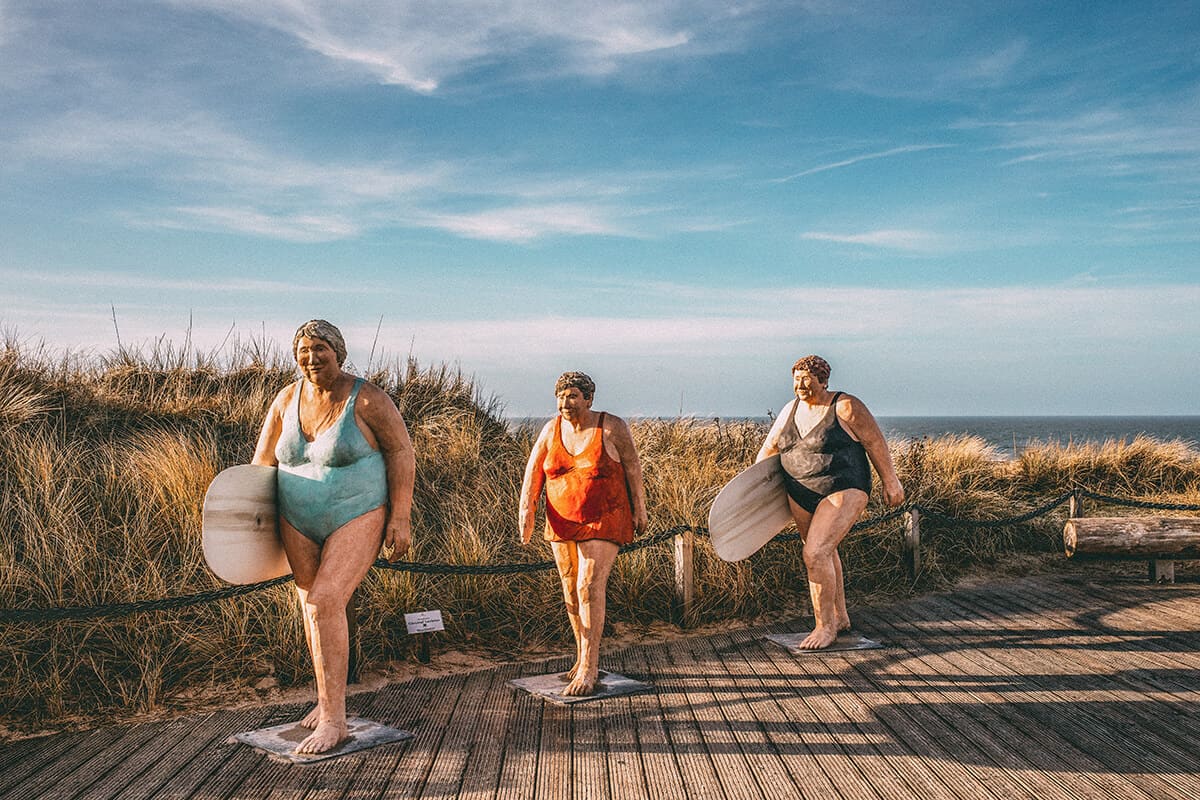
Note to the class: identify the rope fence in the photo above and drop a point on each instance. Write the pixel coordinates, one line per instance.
(683, 535)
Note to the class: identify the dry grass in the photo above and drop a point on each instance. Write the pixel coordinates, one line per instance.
(106, 460)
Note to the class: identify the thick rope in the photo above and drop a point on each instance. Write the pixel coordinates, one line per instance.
(64, 613)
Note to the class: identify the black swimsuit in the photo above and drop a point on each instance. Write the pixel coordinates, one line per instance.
(823, 461)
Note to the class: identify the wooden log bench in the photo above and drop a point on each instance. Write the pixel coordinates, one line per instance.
(1161, 541)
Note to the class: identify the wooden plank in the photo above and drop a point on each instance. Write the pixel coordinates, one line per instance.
(856, 746)
(1155, 653)
(205, 752)
(970, 746)
(235, 761)
(896, 757)
(627, 777)
(741, 655)
(519, 771)
(400, 705)
(31, 756)
(68, 777)
(696, 769)
(659, 765)
(1068, 761)
(554, 776)
(166, 741)
(255, 775)
(1163, 735)
(589, 752)
(1173, 611)
(1143, 656)
(958, 694)
(481, 778)
(1050, 752)
(458, 737)
(823, 727)
(708, 707)
(428, 725)
(931, 744)
(1043, 687)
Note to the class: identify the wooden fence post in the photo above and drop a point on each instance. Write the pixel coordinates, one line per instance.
(912, 543)
(684, 543)
(1075, 507)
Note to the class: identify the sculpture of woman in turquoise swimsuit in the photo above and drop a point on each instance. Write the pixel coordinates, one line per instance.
(345, 483)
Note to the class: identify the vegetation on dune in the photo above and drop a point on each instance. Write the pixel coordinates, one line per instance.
(106, 460)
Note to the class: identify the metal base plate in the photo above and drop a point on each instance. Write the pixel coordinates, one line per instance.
(550, 686)
(849, 640)
(279, 742)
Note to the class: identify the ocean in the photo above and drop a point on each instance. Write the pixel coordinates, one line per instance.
(1010, 435)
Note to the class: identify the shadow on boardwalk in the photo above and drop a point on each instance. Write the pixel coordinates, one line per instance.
(1047, 687)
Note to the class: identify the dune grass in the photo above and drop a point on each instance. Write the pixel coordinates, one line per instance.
(106, 460)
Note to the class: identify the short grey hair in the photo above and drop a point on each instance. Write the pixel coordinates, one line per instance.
(575, 380)
(320, 329)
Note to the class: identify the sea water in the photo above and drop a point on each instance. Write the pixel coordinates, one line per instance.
(1011, 435)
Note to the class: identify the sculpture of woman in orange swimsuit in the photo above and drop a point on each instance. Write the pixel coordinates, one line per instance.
(587, 464)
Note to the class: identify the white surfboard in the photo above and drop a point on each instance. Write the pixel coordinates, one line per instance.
(240, 526)
(749, 511)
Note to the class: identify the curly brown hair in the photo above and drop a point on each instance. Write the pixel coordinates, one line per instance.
(576, 380)
(815, 365)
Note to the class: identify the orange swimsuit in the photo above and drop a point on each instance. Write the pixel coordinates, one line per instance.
(586, 495)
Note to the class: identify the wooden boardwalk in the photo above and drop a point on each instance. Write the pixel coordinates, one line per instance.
(1046, 687)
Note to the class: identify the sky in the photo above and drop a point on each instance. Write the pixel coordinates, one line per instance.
(967, 208)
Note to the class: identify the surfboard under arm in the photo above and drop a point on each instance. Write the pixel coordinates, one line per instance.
(749, 511)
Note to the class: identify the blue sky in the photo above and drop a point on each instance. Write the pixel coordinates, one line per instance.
(968, 208)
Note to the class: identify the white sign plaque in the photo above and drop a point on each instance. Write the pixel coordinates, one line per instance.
(424, 621)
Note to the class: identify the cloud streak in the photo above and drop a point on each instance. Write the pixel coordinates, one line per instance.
(909, 241)
(411, 44)
(124, 282)
(849, 162)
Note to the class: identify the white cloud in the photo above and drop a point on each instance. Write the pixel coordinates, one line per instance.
(237, 185)
(1020, 349)
(527, 223)
(286, 227)
(910, 241)
(125, 282)
(419, 46)
(1113, 140)
(725, 320)
(996, 67)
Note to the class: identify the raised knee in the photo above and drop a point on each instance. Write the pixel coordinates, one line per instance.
(816, 554)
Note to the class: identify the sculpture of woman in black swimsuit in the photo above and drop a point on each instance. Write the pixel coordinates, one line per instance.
(824, 440)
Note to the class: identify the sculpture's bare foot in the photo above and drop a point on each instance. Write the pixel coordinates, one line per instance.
(570, 674)
(312, 718)
(583, 685)
(843, 624)
(327, 736)
(820, 638)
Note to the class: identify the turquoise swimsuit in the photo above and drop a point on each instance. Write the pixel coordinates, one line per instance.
(325, 483)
